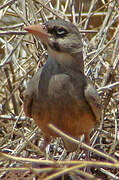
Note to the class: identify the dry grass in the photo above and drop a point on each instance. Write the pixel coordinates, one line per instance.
(20, 57)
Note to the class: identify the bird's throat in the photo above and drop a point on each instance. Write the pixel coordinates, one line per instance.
(66, 60)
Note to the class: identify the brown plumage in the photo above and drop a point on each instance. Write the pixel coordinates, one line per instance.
(60, 93)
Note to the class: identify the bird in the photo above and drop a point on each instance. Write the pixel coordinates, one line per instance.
(59, 92)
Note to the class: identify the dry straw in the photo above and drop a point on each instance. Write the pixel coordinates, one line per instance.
(20, 57)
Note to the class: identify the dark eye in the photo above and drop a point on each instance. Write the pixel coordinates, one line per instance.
(61, 31)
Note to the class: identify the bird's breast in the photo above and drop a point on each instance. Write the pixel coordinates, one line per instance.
(61, 102)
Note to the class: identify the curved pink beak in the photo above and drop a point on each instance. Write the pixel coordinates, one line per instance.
(38, 31)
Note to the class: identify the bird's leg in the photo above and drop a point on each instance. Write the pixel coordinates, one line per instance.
(43, 150)
(87, 141)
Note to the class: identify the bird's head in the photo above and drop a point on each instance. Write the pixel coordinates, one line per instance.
(62, 39)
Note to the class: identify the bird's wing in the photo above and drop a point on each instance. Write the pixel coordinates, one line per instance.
(30, 92)
(93, 100)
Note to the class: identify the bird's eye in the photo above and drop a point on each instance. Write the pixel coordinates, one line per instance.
(61, 31)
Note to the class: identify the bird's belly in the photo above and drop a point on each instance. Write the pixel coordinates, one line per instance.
(71, 118)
